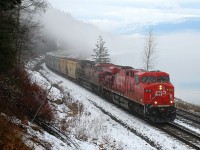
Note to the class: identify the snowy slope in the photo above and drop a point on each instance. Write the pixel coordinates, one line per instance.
(103, 124)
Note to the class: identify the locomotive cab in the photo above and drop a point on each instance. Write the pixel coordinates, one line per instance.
(157, 96)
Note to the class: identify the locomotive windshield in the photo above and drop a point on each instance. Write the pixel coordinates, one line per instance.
(164, 79)
(147, 79)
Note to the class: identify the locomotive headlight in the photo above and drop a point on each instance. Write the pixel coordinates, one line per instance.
(160, 87)
(171, 102)
(155, 102)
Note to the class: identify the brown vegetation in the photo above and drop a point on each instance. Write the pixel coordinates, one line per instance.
(21, 98)
(187, 106)
(10, 138)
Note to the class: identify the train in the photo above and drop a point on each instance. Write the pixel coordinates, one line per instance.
(148, 94)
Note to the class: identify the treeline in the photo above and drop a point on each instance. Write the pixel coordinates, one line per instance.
(19, 28)
(7, 34)
(19, 31)
(20, 98)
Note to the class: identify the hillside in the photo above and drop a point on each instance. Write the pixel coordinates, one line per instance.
(100, 132)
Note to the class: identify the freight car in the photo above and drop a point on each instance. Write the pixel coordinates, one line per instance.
(149, 94)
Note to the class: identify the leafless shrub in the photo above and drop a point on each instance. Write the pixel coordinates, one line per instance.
(101, 147)
(73, 109)
(27, 27)
(106, 138)
(10, 136)
(64, 125)
(81, 134)
(44, 144)
(81, 108)
(22, 98)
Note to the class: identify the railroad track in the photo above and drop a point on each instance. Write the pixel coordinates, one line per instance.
(57, 133)
(151, 142)
(188, 115)
(129, 128)
(182, 134)
(175, 130)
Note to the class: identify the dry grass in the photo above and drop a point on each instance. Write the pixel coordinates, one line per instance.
(187, 106)
(43, 144)
(10, 136)
(19, 97)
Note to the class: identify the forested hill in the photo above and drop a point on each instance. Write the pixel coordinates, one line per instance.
(19, 97)
(79, 37)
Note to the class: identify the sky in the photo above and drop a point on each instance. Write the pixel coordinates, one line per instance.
(116, 15)
(175, 22)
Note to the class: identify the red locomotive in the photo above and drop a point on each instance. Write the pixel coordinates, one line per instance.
(147, 93)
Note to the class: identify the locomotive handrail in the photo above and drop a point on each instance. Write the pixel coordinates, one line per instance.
(151, 99)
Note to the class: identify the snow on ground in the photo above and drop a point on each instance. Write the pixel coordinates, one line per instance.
(54, 93)
(31, 64)
(39, 139)
(43, 138)
(98, 128)
(93, 129)
(192, 128)
(92, 126)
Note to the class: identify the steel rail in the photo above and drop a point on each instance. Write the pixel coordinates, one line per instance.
(56, 132)
(188, 115)
(182, 134)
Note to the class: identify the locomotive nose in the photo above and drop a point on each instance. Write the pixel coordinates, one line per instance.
(159, 94)
(160, 103)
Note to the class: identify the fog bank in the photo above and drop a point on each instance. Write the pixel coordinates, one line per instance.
(178, 53)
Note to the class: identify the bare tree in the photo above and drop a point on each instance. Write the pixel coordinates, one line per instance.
(150, 51)
(101, 54)
(27, 29)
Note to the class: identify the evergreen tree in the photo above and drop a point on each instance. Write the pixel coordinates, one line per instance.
(9, 5)
(101, 54)
(7, 35)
